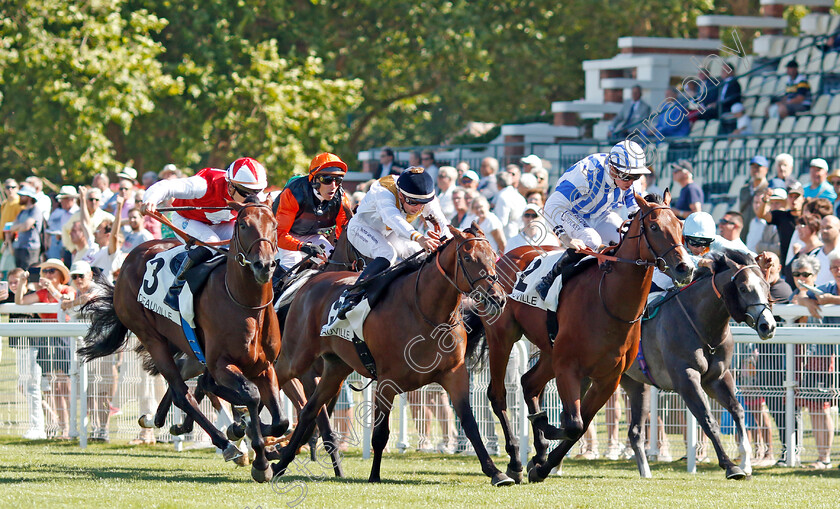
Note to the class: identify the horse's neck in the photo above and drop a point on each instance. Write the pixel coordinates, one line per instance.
(708, 312)
(242, 285)
(438, 298)
(634, 281)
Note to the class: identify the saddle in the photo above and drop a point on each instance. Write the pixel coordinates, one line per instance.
(376, 287)
(196, 276)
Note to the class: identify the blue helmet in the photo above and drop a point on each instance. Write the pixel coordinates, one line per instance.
(416, 184)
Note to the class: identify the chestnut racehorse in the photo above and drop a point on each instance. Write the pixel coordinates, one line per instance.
(415, 335)
(235, 325)
(598, 330)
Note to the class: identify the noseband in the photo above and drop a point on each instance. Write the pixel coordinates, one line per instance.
(242, 260)
(751, 321)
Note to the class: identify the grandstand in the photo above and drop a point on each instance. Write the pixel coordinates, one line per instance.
(720, 162)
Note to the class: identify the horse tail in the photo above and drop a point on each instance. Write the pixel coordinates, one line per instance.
(476, 339)
(106, 334)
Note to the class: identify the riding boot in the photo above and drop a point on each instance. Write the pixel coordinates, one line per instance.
(354, 295)
(195, 256)
(545, 283)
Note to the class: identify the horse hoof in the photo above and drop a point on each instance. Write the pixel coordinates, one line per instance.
(231, 453)
(500, 479)
(146, 421)
(176, 430)
(235, 432)
(242, 461)
(516, 475)
(277, 469)
(735, 473)
(262, 475)
(533, 476)
(532, 464)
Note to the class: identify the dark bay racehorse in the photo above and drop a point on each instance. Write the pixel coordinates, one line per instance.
(598, 331)
(415, 334)
(236, 328)
(688, 348)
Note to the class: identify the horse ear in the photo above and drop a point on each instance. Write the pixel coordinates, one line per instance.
(640, 201)
(235, 206)
(455, 231)
(666, 197)
(477, 229)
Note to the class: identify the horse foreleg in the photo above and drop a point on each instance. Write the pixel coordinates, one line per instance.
(163, 408)
(383, 401)
(497, 393)
(575, 422)
(533, 385)
(639, 396)
(723, 390)
(270, 397)
(187, 426)
(687, 384)
(457, 385)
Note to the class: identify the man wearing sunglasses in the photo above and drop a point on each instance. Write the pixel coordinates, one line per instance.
(382, 227)
(310, 208)
(210, 187)
(582, 209)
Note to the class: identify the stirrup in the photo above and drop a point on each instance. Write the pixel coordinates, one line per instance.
(545, 284)
(351, 300)
(171, 298)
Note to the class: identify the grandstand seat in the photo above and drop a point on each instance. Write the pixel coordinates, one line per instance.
(834, 105)
(833, 24)
(757, 123)
(814, 64)
(786, 125)
(761, 107)
(749, 104)
(820, 106)
(745, 63)
(768, 87)
(705, 153)
(706, 207)
(736, 149)
(768, 145)
(818, 124)
(829, 147)
(751, 147)
(832, 125)
(777, 46)
(712, 127)
(697, 128)
(770, 126)
(783, 145)
(829, 62)
(781, 84)
(802, 124)
(720, 149)
(816, 84)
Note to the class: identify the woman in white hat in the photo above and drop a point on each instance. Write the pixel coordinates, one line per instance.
(53, 353)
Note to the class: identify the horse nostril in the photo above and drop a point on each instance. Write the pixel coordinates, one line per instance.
(682, 267)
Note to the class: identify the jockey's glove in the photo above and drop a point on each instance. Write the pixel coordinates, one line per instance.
(312, 249)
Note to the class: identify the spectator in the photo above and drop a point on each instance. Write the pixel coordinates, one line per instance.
(8, 212)
(26, 355)
(633, 112)
(534, 231)
(462, 167)
(515, 175)
(470, 180)
(527, 183)
(91, 198)
(808, 229)
(149, 178)
(672, 119)
(82, 246)
(707, 95)
(756, 186)
(386, 164)
(109, 257)
(691, 196)
(797, 96)
(509, 204)
(819, 187)
(137, 234)
(487, 185)
(446, 179)
(743, 122)
(462, 218)
(762, 236)
(67, 200)
(771, 267)
(829, 233)
(542, 179)
(356, 199)
(783, 171)
(535, 197)
(414, 159)
(730, 226)
(489, 223)
(27, 226)
(818, 366)
(103, 183)
(427, 161)
(42, 201)
(149, 223)
(784, 219)
(170, 171)
(127, 182)
(54, 353)
(530, 163)
(727, 94)
(833, 178)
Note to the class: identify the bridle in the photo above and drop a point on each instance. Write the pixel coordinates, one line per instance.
(659, 261)
(492, 279)
(241, 254)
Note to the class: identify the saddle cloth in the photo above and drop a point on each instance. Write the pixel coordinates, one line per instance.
(351, 325)
(525, 289)
(160, 274)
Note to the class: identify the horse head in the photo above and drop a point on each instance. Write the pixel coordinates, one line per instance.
(474, 264)
(661, 231)
(746, 294)
(254, 242)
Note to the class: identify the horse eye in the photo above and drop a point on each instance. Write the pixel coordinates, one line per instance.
(742, 289)
(654, 227)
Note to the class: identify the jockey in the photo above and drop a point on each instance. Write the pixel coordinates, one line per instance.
(698, 236)
(581, 209)
(209, 187)
(382, 230)
(309, 208)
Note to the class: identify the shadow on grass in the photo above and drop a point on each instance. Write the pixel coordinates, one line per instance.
(125, 473)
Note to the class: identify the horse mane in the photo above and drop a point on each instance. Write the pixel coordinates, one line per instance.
(252, 198)
(655, 198)
(720, 258)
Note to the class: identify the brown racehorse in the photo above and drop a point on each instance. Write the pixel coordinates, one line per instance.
(415, 334)
(598, 329)
(236, 328)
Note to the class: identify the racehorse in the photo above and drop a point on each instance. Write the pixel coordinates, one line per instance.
(687, 347)
(416, 337)
(236, 328)
(598, 330)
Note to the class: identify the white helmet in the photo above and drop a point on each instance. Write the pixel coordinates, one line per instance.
(248, 173)
(699, 225)
(628, 157)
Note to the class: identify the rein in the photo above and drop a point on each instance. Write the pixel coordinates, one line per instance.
(240, 258)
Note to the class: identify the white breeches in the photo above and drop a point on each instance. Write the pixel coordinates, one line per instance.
(203, 231)
(371, 243)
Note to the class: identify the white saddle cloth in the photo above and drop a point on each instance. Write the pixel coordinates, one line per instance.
(156, 282)
(352, 324)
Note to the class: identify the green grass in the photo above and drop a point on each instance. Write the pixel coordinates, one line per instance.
(51, 474)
